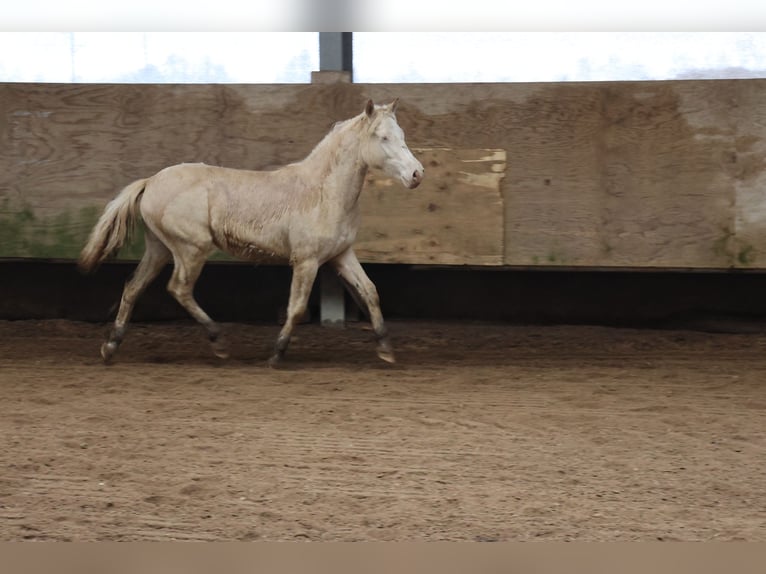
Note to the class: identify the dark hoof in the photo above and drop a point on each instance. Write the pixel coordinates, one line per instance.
(220, 349)
(387, 355)
(108, 350)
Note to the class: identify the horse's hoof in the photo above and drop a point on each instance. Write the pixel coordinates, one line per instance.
(108, 350)
(220, 350)
(274, 361)
(387, 355)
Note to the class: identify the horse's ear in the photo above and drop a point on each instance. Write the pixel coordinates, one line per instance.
(394, 105)
(369, 108)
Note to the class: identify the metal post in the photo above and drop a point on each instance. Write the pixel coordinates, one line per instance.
(332, 298)
(336, 51)
(336, 65)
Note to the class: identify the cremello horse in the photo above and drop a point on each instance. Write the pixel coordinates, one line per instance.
(305, 213)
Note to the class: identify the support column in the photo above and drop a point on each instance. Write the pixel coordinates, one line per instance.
(332, 298)
(336, 65)
(336, 52)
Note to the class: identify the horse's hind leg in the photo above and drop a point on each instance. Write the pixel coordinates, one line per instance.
(304, 274)
(189, 261)
(366, 296)
(154, 259)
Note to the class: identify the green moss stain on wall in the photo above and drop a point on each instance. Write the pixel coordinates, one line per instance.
(23, 233)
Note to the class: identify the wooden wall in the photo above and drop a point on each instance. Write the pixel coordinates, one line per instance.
(624, 174)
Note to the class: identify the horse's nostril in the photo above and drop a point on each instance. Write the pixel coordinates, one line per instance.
(417, 177)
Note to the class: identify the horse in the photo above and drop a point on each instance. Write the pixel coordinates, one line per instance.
(304, 213)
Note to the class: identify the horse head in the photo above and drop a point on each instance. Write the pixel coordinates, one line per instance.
(384, 147)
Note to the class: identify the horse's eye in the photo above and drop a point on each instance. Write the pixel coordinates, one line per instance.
(384, 138)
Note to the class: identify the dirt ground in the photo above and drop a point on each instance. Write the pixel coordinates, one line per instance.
(480, 432)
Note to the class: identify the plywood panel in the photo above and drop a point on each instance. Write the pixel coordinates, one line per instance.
(454, 217)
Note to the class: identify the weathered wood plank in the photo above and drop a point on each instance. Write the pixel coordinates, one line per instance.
(68, 149)
(604, 174)
(624, 174)
(627, 174)
(746, 165)
(65, 150)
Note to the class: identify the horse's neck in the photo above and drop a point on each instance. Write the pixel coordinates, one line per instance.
(337, 162)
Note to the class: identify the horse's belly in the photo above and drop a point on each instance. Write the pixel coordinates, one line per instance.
(266, 250)
(254, 252)
(285, 241)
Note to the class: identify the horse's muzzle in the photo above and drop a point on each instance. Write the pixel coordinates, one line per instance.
(417, 177)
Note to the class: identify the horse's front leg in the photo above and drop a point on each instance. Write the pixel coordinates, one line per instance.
(366, 295)
(304, 274)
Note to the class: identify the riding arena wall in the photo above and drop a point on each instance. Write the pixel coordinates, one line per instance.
(541, 201)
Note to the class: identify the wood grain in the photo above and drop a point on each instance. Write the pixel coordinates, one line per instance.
(454, 217)
(615, 174)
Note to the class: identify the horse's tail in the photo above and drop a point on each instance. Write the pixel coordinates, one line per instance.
(114, 226)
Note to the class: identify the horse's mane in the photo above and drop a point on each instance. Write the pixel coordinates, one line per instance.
(337, 129)
(341, 127)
